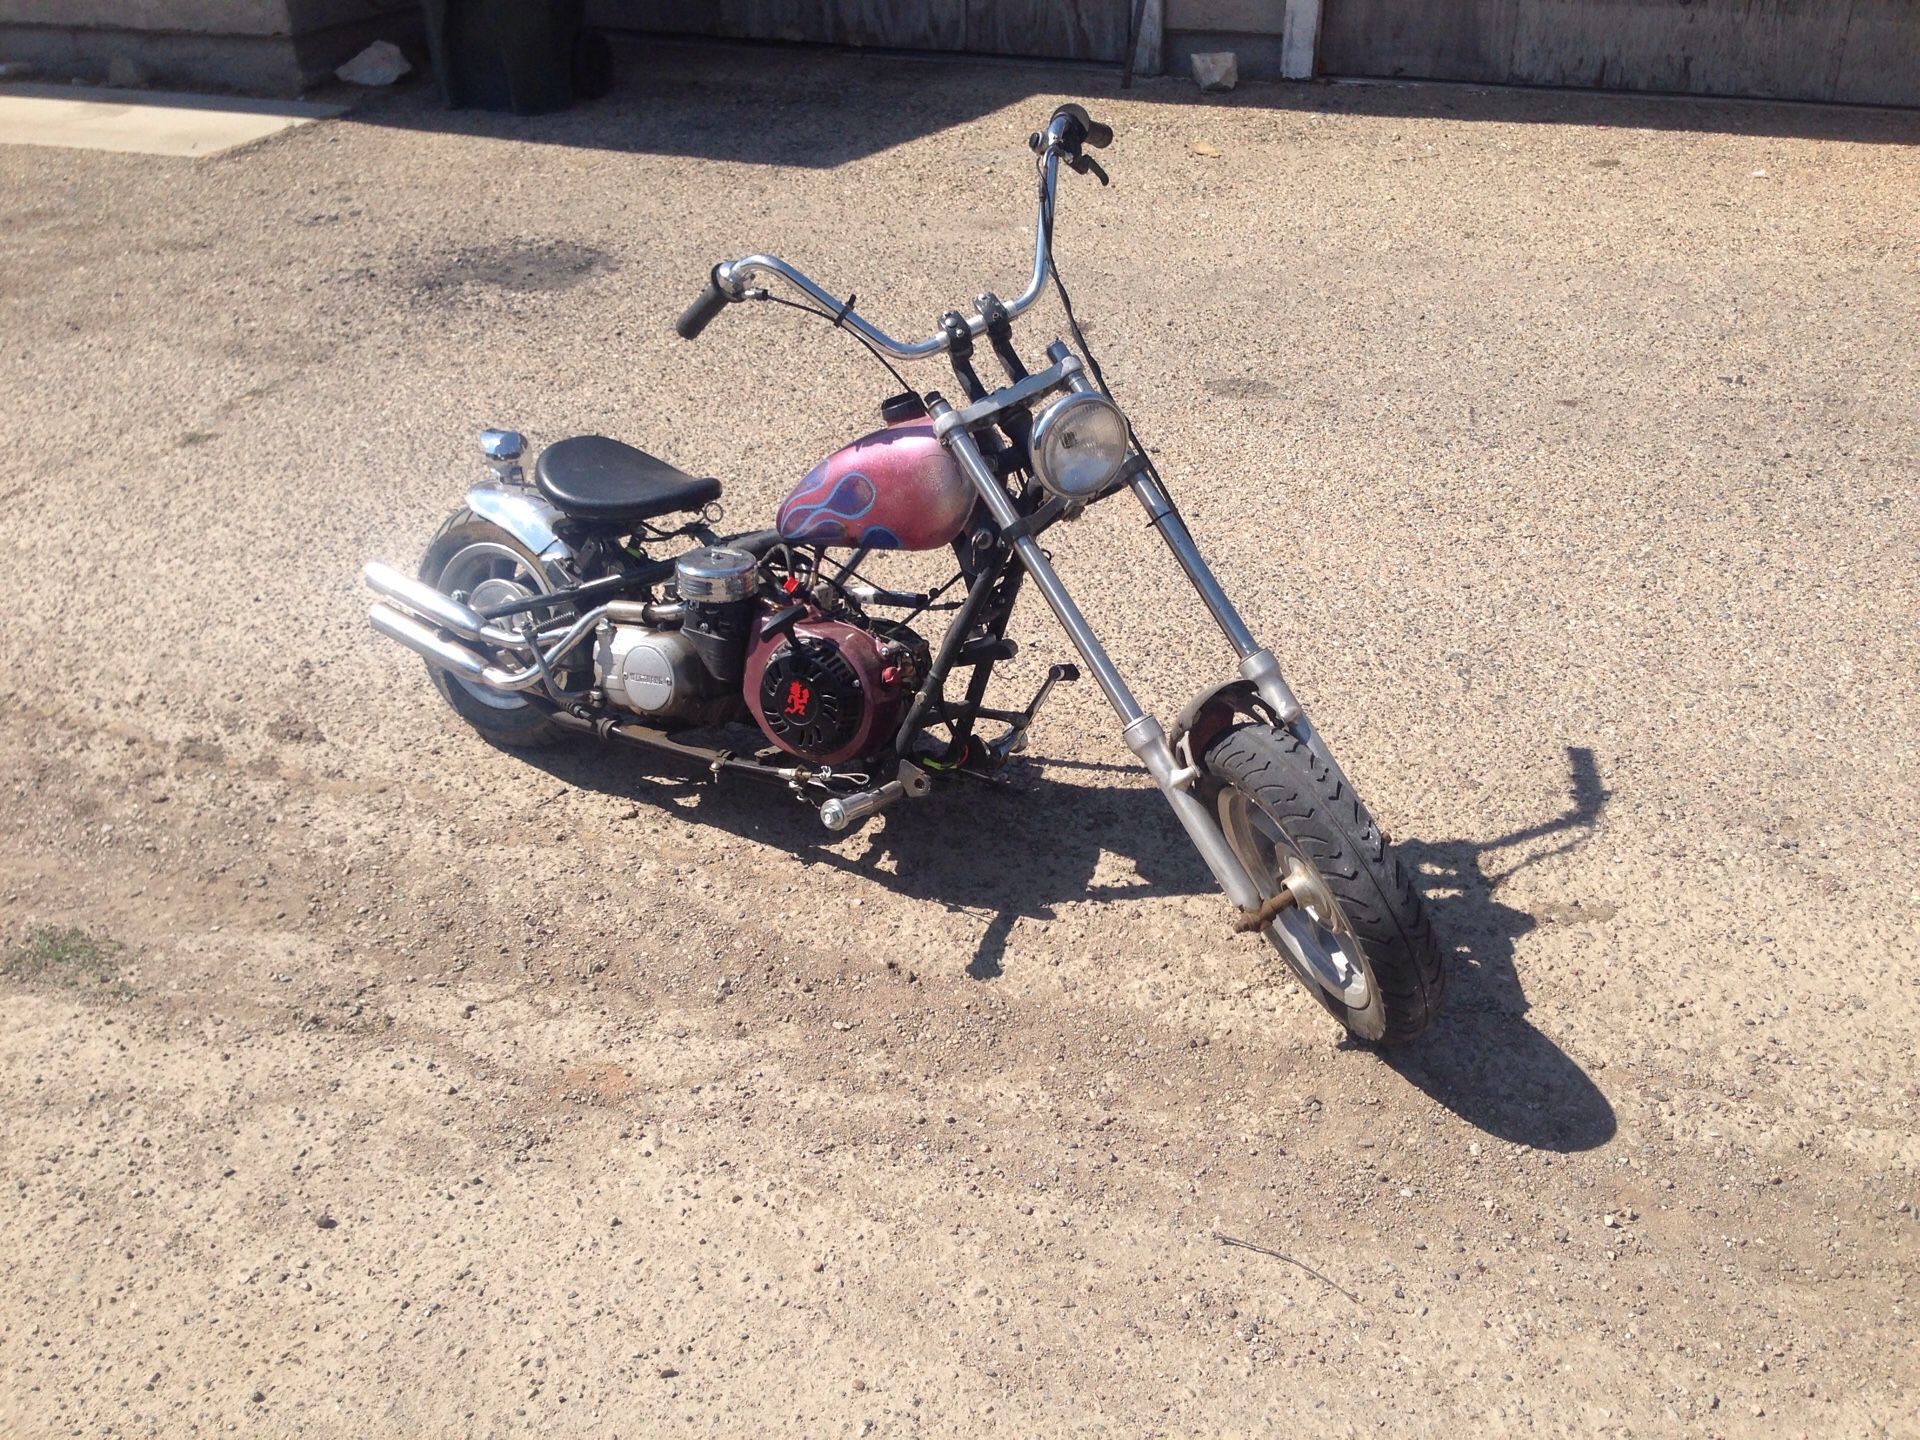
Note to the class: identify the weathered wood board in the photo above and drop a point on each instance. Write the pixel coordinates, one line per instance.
(1057, 29)
(1854, 50)
(1427, 39)
(925, 25)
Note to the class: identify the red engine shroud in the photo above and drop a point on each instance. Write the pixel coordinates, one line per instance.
(832, 697)
(896, 489)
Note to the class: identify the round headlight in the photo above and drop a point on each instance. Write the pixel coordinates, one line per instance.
(1079, 446)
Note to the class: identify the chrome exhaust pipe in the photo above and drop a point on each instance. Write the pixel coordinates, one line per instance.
(436, 650)
(409, 609)
(423, 600)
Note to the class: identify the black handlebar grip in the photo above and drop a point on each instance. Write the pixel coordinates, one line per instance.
(697, 316)
(1082, 128)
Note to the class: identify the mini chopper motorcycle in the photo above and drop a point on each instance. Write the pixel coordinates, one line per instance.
(546, 608)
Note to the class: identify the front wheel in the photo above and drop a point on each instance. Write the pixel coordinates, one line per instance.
(1355, 934)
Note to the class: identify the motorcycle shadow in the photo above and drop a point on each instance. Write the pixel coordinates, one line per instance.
(1000, 853)
(1483, 1059)
(1014, 853)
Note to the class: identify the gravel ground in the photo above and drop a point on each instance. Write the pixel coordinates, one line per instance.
(1563, 447)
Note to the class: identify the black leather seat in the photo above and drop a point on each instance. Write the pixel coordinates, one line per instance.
(594, 478)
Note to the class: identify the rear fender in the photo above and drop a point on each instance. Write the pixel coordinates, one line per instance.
(527, 516)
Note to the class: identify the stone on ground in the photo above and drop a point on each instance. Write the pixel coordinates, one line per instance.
(1216, 70)
(381, 63)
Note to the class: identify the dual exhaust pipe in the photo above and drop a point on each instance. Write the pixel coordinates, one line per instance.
(416, 614)
(449, 655)
(405, 603)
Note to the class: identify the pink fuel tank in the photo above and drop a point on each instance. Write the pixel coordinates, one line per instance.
(896, 489)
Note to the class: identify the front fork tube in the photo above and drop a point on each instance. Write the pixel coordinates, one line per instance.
(1142, 732)
(1257, 664)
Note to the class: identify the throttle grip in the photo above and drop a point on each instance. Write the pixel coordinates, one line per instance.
(1083, 129)
(707, 304)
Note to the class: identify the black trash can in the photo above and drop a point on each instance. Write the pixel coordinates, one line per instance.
(527, 56)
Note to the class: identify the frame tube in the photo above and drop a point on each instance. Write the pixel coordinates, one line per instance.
(949, 647)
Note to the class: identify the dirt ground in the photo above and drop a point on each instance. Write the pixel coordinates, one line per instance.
(1564, 449)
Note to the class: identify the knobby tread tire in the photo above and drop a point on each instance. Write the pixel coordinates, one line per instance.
(1328, 822)
(527, 728)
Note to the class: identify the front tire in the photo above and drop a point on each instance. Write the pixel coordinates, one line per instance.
(1357, 935)
(474, 557)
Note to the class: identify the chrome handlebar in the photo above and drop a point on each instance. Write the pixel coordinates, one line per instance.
(733, 276)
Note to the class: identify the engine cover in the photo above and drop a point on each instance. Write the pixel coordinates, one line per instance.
(823, 689)
(656, 673)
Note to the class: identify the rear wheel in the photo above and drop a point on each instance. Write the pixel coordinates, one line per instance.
(480, 564)
(1355, 932)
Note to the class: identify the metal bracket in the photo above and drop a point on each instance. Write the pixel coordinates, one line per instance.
(981, 411)
(959, 336)
(1189, 771)
(1053, 509)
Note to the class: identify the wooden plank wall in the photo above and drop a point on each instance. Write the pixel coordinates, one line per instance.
(1863, 51)
(927, 25)
(1056, 29)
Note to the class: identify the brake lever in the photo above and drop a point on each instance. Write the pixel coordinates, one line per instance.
(1081, 164)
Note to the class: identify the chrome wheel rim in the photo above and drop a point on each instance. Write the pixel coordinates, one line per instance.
(481, 575)
(1313, 933)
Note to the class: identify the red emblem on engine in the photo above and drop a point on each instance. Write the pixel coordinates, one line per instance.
(799, 697)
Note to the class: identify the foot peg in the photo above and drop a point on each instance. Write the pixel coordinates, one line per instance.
(1056, 675)
(1015, 740)
(845, 811)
